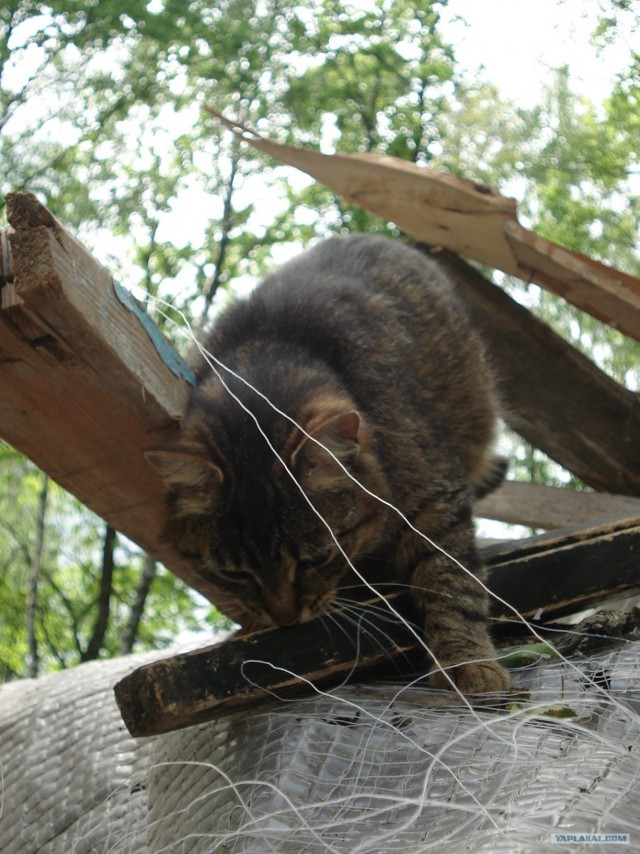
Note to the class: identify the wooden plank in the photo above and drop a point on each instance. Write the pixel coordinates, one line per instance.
(553, 395)
(551, 507)
(551, 576)
(467, 218)
(235, 674)
(87, 384)
(555, 575)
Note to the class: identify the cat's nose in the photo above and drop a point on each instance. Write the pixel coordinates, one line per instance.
(284, 616)
(282, 607)
(289, 621)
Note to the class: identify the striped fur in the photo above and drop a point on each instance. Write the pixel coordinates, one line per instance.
(363, 342)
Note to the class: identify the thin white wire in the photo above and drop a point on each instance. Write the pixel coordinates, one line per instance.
(215, 363)
(437, 757)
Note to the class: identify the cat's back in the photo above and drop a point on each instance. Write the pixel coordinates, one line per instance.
(384, 322)
(357, 268)
(361, 289)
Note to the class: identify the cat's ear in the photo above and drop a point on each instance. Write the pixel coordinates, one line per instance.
(185, 465)
(338, 434)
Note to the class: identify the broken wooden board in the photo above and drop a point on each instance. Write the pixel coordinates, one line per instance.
(544, 577)
(88, 383)
(550, 507)
(553, 395)
(465, 217)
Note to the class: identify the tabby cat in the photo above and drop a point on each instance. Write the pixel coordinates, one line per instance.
(363, 343)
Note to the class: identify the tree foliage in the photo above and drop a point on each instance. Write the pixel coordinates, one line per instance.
(101, 115)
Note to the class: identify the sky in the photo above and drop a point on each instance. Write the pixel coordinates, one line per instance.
(518, 43)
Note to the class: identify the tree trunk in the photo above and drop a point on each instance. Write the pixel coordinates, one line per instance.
(33, 662)
(104, 601)
(137, 608)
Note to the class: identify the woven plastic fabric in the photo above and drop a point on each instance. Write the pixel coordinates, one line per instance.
(72, 778)
(375, 769)
(379, 770)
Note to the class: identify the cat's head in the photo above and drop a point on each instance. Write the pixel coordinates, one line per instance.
(257, 534)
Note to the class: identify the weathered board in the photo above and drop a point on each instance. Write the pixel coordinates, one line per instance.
(553, 395)
(88, 383)
(563, 572)
(546, 577)
(465, 217)
(550, 507)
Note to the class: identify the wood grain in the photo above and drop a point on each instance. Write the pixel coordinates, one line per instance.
(85, 390)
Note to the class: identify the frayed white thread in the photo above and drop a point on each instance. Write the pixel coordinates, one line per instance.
(214, 363)
(378, 720)
(252, 822)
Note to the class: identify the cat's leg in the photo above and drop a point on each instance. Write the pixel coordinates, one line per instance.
(454, 606)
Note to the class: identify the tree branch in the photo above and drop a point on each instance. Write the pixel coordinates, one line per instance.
(137, 608)
(223, 244)
(104, 600)
(32, 661)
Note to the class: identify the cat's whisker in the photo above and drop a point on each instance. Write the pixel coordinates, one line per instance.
(368, 624)
(451, 370)
(363, 626)
(382, 604)
(392, 584)
(378, 612)
(321, 621)
(339, 616)
(412, 588)
(368, 629)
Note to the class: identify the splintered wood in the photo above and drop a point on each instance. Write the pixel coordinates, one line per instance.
(85, 389)
(466, 217)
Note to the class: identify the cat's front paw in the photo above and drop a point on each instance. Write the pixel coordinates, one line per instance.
(476, 677)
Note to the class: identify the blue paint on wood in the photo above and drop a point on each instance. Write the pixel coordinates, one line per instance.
(169, 356)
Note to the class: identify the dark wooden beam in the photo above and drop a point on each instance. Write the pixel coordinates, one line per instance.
(554, 575)
(547, 577)
(554, 396)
